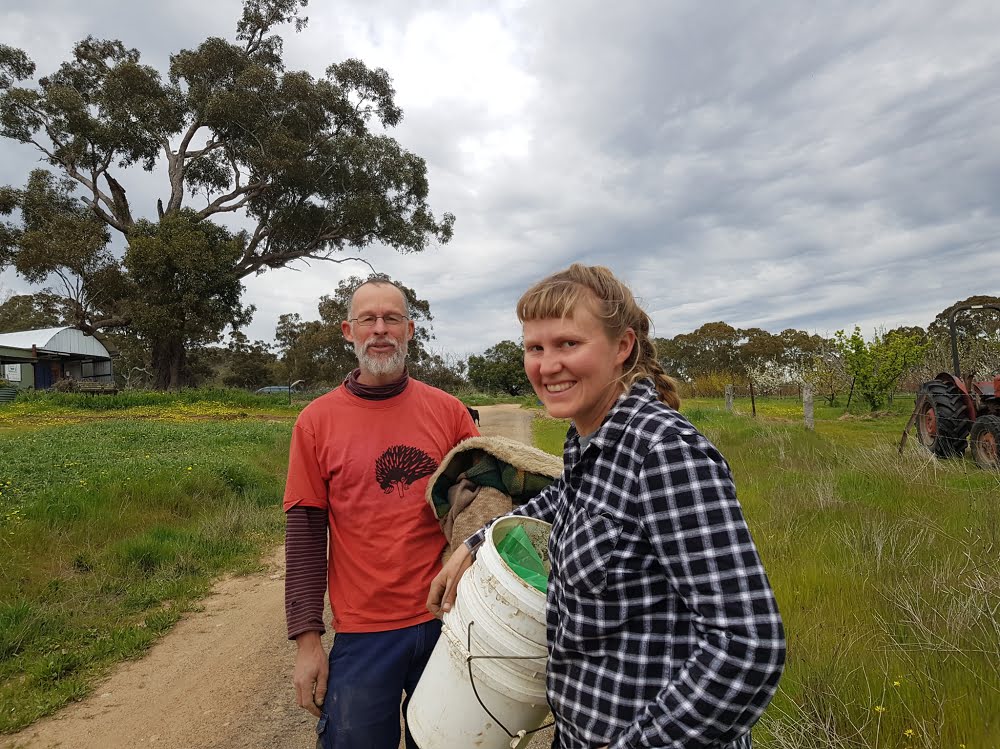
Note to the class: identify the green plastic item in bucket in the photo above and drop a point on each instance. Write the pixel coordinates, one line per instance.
(518, 552)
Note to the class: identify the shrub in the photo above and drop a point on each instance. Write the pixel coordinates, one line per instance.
(65, 385)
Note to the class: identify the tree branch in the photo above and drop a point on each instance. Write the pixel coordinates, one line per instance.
(104, 215)
(75, 174)
(218, 205)
(99, 196)
(177, 168)
(210, 146)
(110, 322)
(245, 268)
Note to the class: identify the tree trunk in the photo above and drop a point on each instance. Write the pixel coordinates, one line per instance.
(170, 364)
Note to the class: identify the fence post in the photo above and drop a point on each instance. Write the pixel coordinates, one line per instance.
(807, 405)
(729, 398)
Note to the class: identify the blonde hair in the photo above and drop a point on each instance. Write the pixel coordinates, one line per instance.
(560, 294)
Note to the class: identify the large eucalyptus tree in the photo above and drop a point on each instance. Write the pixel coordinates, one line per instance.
(306, 162)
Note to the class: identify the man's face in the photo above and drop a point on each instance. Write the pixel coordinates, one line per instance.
(381, 348)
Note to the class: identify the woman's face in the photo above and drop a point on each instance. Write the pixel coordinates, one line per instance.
(574, 367)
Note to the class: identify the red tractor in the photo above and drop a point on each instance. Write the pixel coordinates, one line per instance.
(953, 411)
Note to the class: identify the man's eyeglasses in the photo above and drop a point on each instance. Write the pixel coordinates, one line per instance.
(369, 320)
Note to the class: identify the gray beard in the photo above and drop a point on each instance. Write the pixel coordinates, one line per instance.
(382, 366)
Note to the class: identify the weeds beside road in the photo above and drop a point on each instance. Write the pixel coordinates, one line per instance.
(109, 530)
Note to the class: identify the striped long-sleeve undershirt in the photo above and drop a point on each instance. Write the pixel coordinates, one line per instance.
(305, 569)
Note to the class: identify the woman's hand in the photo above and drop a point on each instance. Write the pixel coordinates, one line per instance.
(445, 585)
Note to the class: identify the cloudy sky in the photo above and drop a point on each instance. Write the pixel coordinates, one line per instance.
(774, 164)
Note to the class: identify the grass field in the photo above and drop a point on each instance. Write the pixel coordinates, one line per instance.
(114, 521)
(887, 573)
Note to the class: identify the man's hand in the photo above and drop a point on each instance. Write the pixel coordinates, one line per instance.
(445, 585)
(311, 671)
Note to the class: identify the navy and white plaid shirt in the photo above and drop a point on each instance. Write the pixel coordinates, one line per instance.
(663, 629)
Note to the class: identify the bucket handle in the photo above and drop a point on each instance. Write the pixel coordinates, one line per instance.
(468, 662)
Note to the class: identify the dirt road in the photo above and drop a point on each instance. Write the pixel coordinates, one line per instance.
(222, 678)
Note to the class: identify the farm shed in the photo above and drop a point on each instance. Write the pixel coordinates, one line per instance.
(38, 358)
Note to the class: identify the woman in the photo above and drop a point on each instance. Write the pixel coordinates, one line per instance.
(663, 630)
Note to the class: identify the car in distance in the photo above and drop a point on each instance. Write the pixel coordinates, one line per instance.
(280, 389)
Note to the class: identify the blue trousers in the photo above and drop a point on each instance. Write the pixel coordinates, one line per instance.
(370, 672)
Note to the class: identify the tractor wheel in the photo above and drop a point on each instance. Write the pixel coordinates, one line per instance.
(943, 422)
(985, 442)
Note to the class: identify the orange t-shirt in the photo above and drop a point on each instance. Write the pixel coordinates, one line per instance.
(367, 462)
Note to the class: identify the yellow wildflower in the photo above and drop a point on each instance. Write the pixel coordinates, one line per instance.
(879, 709)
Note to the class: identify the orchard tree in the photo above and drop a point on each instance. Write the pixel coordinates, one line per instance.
(769, 377)
(306, 162)
(876, 366)
(827, 373)
(500, 369)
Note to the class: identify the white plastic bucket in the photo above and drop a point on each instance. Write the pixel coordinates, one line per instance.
(507, 618)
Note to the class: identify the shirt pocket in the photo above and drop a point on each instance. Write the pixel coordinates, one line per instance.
(590, 540)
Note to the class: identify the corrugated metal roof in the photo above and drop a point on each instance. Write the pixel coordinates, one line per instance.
(58, 340)
(29, 338)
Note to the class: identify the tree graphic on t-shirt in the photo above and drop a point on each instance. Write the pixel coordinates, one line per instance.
(400, 466)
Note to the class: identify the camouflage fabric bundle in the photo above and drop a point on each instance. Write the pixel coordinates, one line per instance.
(484, 477)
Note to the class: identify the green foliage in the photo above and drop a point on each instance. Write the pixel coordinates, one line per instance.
(60, 239)
(307, 162)
(31, 312)
(718, 347)
(251, 365)
(876, 366)
(181, 268)
(316, 350)
(500, 369)
(14, 66)
(136, 518)
(441, 371)
(969, 324)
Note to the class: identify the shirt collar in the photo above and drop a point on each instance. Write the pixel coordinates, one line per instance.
(642, 393)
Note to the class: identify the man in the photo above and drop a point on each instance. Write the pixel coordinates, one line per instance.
(359, 462)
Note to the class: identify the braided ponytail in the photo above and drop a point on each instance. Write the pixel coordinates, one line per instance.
(642, 362)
